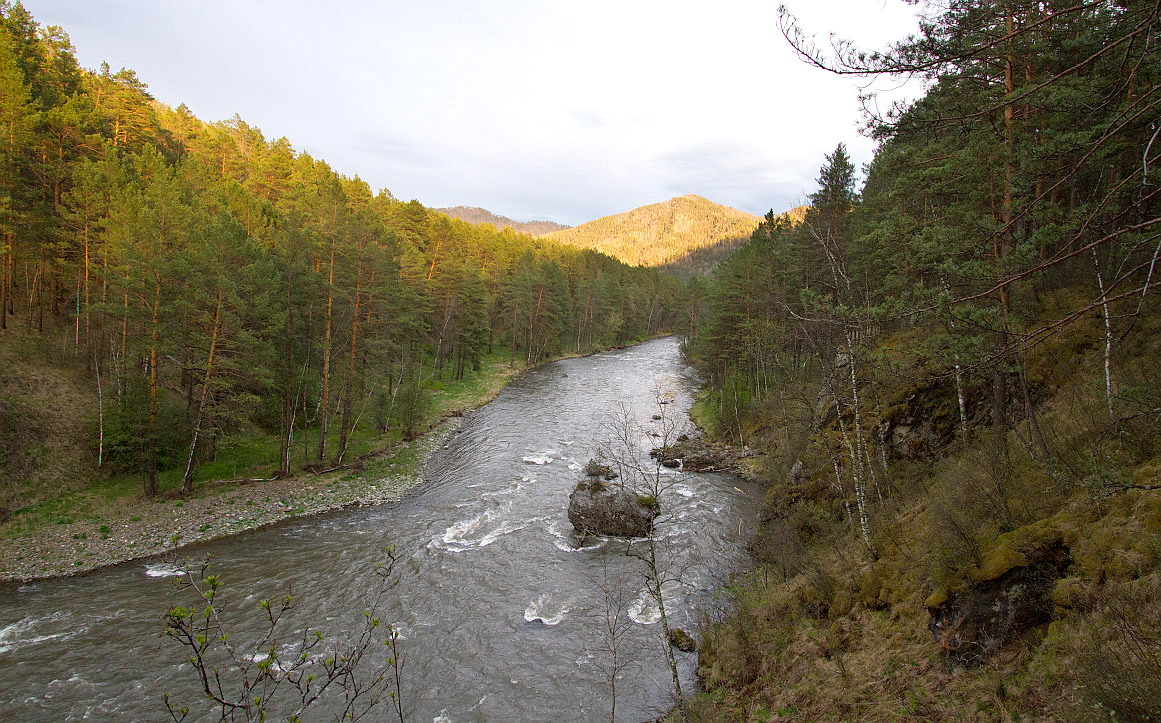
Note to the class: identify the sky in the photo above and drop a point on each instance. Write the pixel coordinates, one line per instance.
(536, 109)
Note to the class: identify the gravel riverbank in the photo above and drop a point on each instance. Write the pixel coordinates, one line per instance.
(146, 529)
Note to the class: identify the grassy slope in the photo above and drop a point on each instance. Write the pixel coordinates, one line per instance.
(824, 631)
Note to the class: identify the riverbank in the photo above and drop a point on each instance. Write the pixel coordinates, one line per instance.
(146, 529)
(699, 454)
(134, 528)
(88, 529)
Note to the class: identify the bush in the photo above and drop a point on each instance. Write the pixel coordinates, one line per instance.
(596, 469)
(127, 431)
(412, 404)
(1118, 667)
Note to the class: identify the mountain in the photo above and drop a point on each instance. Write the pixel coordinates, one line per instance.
(663, 234)
(472, 214)
(702, 261)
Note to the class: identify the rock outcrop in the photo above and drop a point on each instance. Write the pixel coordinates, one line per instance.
(596, 507)
(997, 603)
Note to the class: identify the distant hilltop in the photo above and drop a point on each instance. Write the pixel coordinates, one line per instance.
(472, 214)
(665, 234)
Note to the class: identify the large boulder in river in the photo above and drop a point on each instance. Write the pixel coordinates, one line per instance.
(596, 507)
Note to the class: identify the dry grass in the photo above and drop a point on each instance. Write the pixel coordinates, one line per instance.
(831, 634)
(48, 410)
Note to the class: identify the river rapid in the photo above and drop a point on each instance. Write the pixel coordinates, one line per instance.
(497, 600)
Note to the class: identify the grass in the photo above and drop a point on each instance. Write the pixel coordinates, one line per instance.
(249, 455)
(476, 388)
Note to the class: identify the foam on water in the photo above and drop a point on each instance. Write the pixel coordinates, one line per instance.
(541, 456)
(566, 542)
(478, 531)
(24, 632)
(502, 492)
(259, 657)
(541, 609)
(644, 610)
(506, 527)
(164, 569)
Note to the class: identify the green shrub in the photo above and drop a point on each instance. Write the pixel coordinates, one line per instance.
(127, 430)
(596, 469)
(1118, 669)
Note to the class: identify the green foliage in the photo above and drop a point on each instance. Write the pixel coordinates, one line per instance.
(944, 373)
(593, 468)
(649, 502)
(412, 403)
(253, 682)
(221, 286)
(127, 430)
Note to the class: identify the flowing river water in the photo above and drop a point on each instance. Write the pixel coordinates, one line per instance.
(497, 601)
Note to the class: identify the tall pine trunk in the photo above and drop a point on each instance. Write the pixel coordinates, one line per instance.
(151, 442)
(345, 428)
(187, 479)
(326, 370)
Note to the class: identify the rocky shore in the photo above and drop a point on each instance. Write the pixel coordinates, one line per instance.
(147, 528)
(697, 454)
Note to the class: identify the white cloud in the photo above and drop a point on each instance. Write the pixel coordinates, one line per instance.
(564, 111)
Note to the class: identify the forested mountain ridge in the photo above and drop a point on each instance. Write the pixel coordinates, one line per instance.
(213, 286)
(948, 380)
(474, 214)
(703, 261)
(662, 233)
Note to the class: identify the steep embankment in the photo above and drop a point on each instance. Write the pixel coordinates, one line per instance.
(43, 434)
(663, 233)
(1022, 587)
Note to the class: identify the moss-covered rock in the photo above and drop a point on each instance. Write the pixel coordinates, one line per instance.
(1001, 560)
(1073, 593)
(937, 599)
(870, 589)
(1123, 544)
(1010, 592)
(682, 640)
(597, 508)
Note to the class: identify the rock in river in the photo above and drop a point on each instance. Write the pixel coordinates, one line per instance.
(682, 640)
(600, 508)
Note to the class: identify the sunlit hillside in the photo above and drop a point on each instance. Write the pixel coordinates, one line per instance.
(473, 214)
(662, 233)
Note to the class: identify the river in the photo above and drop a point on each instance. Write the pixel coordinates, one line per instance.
(496, 597)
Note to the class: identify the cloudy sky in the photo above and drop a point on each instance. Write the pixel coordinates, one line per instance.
(536, 109)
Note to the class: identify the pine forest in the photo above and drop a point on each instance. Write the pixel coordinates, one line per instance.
(940, 375)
